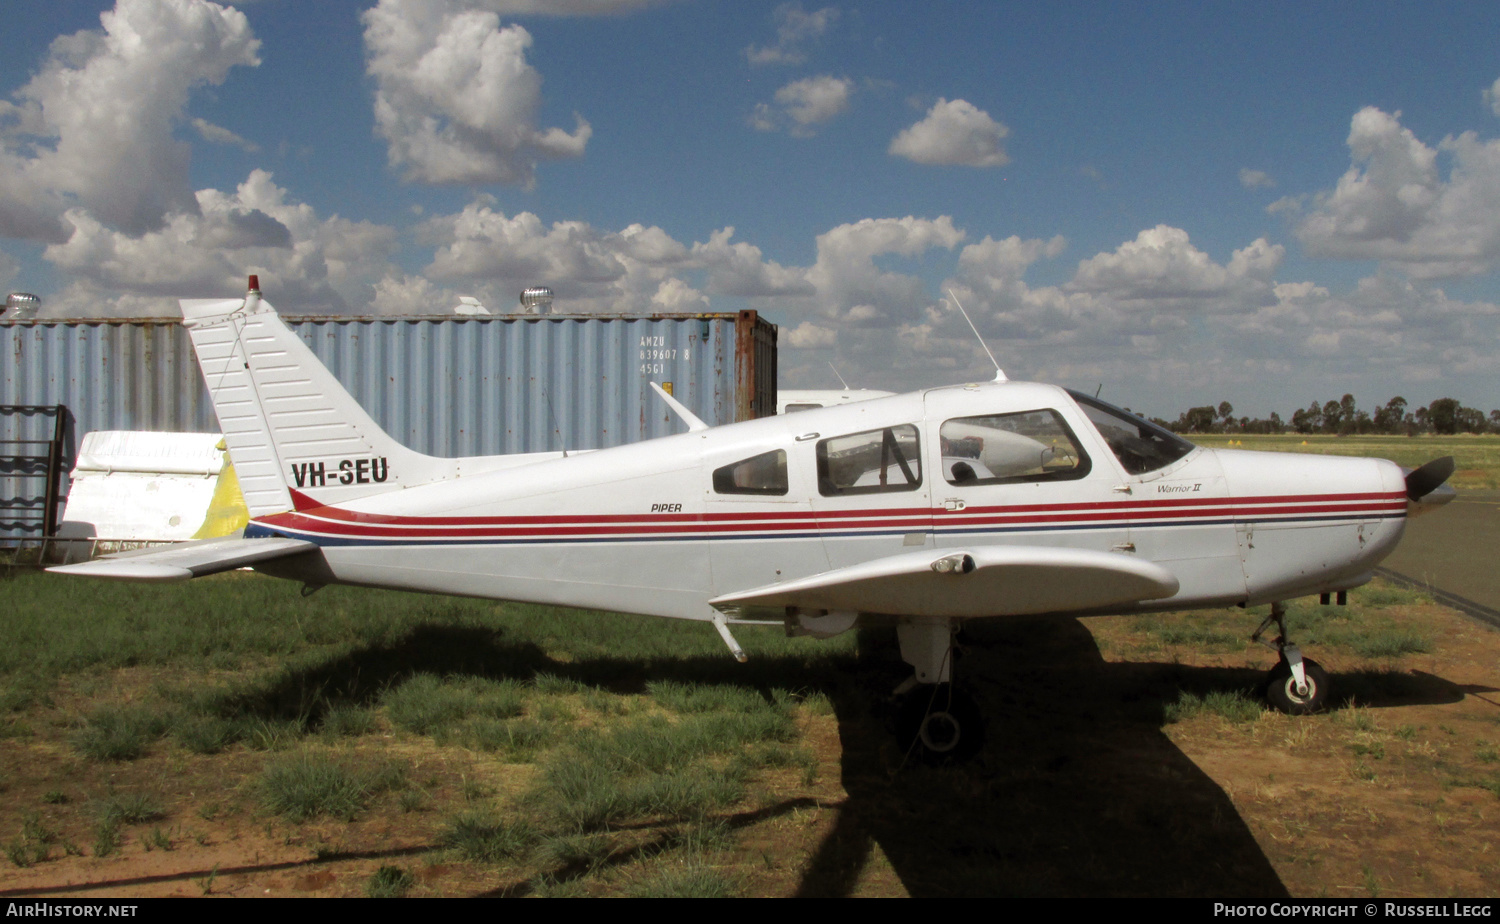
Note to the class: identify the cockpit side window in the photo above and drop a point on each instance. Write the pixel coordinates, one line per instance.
(762, 474)
(1011, 448)
(870, 462)
(1141, 446)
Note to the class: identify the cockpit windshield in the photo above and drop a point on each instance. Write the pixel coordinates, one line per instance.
(1141, 446)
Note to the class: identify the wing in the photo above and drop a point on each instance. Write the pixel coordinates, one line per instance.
(187, 559)
(981, 581)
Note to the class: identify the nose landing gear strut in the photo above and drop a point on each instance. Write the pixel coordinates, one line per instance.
(1296, 685)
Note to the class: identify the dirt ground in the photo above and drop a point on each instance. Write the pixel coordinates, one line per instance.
(1084, 788)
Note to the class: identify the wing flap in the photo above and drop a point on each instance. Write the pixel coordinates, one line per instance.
(980, 581)
(187, 559)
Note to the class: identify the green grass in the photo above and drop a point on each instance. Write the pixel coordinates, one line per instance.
(657, 768)
(574, 851)
(129, 809)
(426, 704)
(157, 839)
(1370, 627)
(705, 697)
(107, 837)
(686, 880)
(344, 645)
(1203, 631)
(33, 844)
(1361, 628)
(121, 733)
(484, 837)
(644, 732)
(518, 739)
(1477, 458)
(347, 721)
(307, 785)
(206, 734)
(1235, 706)
(390, 882)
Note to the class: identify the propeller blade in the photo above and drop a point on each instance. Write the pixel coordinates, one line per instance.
(1423, 481)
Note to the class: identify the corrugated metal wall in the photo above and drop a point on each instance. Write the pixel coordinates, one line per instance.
(447, 386)
(485, 386)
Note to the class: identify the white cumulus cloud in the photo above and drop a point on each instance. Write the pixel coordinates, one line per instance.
(492, 255)
(851, 287)
(802, 104)
(93, 128)
(1398, 204)
(217, 134)
(566, 7)
(794, 28)
(455, 98)
(1255, 179)
(807, 336)
(956, 133)
(738, 268)
(1492, 97)
(1162, 265)
(313, 264)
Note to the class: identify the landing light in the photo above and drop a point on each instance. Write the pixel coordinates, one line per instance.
(961, 563)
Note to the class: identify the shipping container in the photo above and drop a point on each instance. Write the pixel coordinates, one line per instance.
(443, 385)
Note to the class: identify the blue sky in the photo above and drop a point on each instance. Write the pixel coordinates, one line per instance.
(1187, 203)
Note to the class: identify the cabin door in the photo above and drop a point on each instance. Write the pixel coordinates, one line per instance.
(872, 497)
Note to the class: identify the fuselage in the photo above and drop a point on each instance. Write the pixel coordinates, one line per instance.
(664, 526)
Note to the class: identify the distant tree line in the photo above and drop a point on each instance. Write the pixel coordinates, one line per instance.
(1344, 418)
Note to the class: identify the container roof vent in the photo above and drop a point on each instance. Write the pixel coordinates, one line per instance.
(536, 300)
(21, 305)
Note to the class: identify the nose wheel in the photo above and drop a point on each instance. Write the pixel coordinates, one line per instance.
(1296, 685)
(1285, 694)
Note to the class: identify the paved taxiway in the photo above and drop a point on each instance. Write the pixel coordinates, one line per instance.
(1454, 550)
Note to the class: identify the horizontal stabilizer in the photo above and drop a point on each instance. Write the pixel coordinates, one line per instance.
(187, 559)
(979, 581)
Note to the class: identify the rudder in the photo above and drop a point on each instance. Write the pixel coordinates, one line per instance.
(289, 423)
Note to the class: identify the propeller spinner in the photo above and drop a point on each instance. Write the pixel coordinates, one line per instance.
(1425, 487)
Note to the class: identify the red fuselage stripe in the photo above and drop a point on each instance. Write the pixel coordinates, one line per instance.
(336, 521)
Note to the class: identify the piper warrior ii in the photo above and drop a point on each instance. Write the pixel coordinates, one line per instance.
(921, 511)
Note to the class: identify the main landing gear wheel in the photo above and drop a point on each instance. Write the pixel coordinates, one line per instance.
(1282, 692)
(941, 724)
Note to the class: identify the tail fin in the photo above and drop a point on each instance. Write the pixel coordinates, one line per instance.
(298, 439)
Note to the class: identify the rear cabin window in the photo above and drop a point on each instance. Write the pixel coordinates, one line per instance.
(800, 407)
(871, 462)
(1140, 445)
(762, 474)
(1010, 448)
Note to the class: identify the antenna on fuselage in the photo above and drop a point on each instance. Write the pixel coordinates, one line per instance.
(999, 373)
(837, 376)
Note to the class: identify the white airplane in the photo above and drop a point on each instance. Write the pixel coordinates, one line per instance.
(790, 401)
(919, 511)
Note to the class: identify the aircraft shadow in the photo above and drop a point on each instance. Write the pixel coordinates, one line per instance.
(1076, 792)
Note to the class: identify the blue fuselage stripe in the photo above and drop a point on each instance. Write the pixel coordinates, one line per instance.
(257, 530)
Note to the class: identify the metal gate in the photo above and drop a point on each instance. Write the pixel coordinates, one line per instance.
(31, 469)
